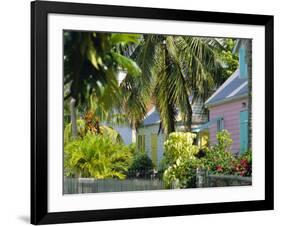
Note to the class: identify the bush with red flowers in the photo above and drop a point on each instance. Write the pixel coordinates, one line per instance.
(219, 159)
(243, 166)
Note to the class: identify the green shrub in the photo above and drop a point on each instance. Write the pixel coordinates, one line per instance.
(111, 134)
(81, 128)
(224, 140)
(180, 156)
(243, 165)
(182, 174)
(180, 144)
(96, 156)
(218, 159)
(141, 166)
(68, 130)
(163, 166)
(133, 148)
(247, 156)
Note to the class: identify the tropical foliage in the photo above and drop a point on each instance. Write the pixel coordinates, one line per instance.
(82, 131)
(230, 60)
(177, 71)
(243, 165)
(110, 79)
(92, 62)
(141, 165)
(92, 59)
(96, 156)
(180, 145)
(171, 71)
(218, 159)
(68, 130)
(180, 156)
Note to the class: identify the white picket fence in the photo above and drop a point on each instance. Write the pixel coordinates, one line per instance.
(89, 185)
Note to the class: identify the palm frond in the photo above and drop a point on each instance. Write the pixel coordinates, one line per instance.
(162, 91)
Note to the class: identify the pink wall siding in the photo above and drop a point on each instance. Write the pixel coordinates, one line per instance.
(231, 115)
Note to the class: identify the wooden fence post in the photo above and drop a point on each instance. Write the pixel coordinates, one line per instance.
(201, 178)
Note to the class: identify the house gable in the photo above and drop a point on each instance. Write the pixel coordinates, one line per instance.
(233, 88)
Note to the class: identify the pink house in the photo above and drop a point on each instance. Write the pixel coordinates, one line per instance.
(228, 109)
(228, 106)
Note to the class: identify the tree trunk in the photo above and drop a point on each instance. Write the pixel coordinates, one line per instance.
(189, 122)
(189, 117)
(170, 111)
(134, 133)
(171, 123)
(72, 107)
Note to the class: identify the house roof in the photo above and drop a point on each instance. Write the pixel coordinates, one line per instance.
(152, 117)
(233, 88)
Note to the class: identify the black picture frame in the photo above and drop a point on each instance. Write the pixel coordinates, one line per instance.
(39, 109)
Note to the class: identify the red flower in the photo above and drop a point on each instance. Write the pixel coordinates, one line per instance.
(218, 168)
(244, 162)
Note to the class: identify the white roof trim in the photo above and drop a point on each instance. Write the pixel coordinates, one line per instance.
(228, 100)
(150, 112)
(237, 89)
(229, 80)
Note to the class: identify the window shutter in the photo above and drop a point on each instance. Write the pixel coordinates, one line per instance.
(220, 124)
(143, 143)
(243, 67)
(139, 142)
(154, 149)
(243, 131)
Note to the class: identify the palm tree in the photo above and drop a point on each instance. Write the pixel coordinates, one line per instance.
(91, 65)
(137, 90)
(176, 72)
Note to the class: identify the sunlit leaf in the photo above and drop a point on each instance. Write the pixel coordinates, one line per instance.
(127, 64)
(119, 38)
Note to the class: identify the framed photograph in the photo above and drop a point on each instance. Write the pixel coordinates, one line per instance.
(144, 112)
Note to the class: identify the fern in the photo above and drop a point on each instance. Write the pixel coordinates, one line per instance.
(68, 130)
(97, 156)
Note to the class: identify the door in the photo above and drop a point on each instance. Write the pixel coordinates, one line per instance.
(154, 149)
(243, 131)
